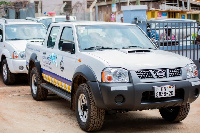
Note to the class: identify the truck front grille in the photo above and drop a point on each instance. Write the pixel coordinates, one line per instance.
(144, 74)
(174, 72)
(158, 73)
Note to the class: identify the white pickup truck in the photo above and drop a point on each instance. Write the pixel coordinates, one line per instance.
(14, 35)
(100, 66)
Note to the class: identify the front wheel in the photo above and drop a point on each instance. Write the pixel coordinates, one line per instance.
(38, 93)
(8, 77)
(89, 116)
(175, 114)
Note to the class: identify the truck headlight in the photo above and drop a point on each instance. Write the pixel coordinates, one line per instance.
(191, 71)
(115, 75)
(19, 55)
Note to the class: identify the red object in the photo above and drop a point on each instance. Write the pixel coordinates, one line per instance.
(159, 14)
(196, 73)
(51, 14)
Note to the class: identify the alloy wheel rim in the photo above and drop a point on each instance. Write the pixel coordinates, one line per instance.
(5, 72)
(83, 108)
(34, 84)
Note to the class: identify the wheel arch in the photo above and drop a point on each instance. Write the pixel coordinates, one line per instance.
(84, 74)
(3, 57)
(5, 54)
(33, 62)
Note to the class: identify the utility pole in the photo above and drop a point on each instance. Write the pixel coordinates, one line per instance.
(119, 5)
(188, 5)
(39, 8)
(91, 7)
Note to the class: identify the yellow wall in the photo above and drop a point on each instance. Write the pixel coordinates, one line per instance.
(156, 14)
(149, 15)
(170, 14)
(183, 13)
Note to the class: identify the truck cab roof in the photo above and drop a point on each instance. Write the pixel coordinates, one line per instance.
(89, 23)
(16, 21)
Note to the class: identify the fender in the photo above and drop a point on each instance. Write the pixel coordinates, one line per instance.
(33, 58)
(6, 53)
(90, 76)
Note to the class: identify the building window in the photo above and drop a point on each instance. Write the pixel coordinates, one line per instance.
(36, 6)
(89, 3)
(68, 6)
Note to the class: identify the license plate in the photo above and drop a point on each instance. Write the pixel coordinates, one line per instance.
(164, 91)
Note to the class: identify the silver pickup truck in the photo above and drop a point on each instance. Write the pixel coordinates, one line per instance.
(100, 66)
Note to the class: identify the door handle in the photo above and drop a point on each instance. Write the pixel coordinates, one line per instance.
(44, 52)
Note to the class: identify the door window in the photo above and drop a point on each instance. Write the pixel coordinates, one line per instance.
(1, 33)
(66, 37)
(52, 37)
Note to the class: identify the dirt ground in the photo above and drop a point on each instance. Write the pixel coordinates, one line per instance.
(19, 113)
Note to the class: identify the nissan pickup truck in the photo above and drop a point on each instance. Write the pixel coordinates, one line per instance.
(14, 35)
(101, 67)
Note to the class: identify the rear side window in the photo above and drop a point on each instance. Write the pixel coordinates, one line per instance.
(52, 37)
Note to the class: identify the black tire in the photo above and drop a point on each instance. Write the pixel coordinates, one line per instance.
(8, 77)
(175, 114)
(95, 116)
(38, 93)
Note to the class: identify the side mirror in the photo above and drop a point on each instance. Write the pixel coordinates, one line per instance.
(68, 47)
(1, 37)
(156, 43)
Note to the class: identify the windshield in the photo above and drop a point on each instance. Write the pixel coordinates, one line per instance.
(25, 31)
(92, 37)
(46, 21)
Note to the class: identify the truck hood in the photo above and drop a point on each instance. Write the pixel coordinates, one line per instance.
(20, 45)
(135, 59)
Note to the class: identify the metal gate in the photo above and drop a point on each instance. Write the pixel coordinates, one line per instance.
(175, 35)
(178, 36)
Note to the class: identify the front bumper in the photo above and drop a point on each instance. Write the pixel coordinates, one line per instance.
(17, 66)
(141, 96)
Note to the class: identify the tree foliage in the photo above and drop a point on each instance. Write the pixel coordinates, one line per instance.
(4, 3)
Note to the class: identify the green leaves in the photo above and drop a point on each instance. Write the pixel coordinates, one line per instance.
(4, 3)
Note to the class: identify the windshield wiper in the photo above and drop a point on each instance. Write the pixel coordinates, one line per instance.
(131, 47)
(35, 38)
(98, 48)
(15, 39)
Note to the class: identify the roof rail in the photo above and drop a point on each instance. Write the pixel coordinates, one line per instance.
(31, 18)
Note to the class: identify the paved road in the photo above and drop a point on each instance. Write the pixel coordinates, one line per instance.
(19, 113)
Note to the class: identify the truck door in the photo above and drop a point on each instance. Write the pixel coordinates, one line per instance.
(67, 61)
(49, 57)
(1, 39)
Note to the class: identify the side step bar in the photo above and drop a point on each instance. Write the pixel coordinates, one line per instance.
(62, 93)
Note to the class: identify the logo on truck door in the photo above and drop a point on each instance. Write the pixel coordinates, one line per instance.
(53, 58)
(46, 62)
(62, 65)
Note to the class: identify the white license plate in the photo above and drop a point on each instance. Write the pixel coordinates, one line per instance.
(164, 91)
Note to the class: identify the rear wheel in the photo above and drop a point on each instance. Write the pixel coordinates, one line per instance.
(37, 91)
(8, 77)
(89, 116)
(175, 114)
